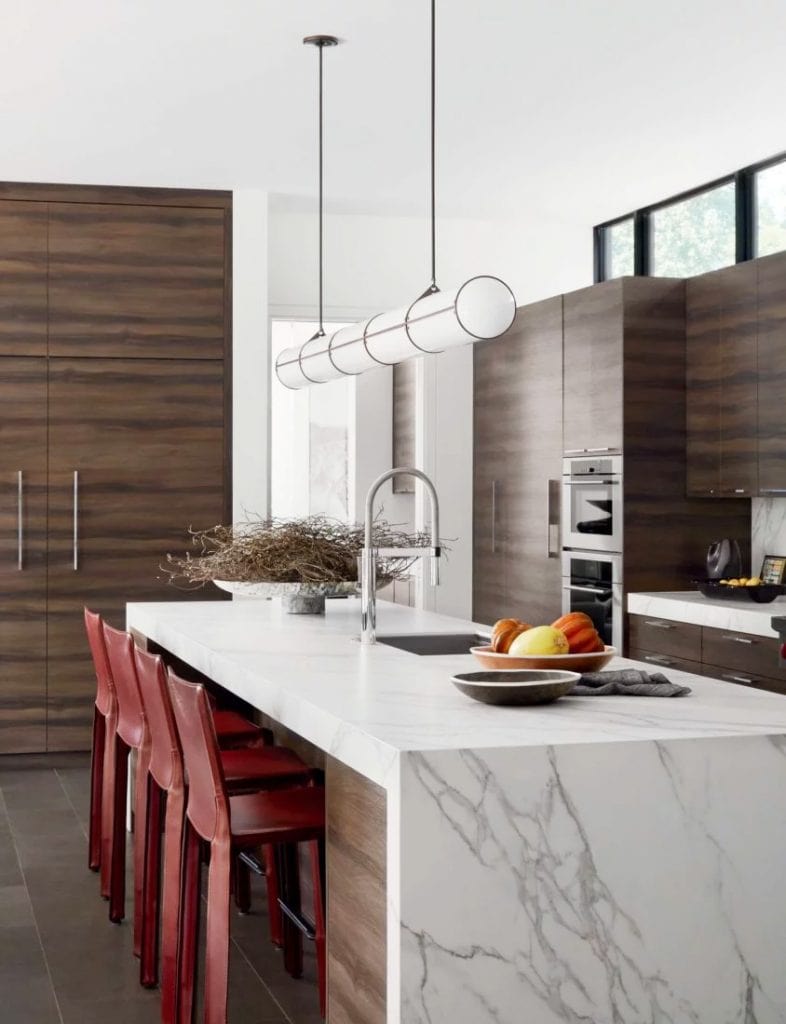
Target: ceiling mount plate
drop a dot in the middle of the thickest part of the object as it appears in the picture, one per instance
(321, 40)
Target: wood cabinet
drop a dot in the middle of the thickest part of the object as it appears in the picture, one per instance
(23, 278)
(725, 654)
(518, 466)
(592, 352)
(130, 470)
(117, 417)
(772, 374)
(722, 382)
(23, 564)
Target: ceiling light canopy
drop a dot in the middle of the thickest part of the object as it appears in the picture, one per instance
(481, 308)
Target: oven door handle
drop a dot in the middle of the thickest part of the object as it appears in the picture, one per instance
(590, 480)
(600, 591)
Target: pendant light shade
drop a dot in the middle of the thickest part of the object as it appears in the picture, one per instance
(483, 307)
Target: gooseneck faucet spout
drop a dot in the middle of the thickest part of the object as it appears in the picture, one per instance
(369, 555)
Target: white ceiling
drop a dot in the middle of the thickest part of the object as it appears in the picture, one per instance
(579, 108)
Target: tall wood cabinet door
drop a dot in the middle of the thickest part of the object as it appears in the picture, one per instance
(492, 476)
(739, 383)
(136, 458)
(592, 352)
(22, 555)
(23, 278)
(703, 385)
(137, 281)
(518, 466)
(772, 374)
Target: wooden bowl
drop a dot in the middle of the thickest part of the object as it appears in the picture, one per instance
(562, 662)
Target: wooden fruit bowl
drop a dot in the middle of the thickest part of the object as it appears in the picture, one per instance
(563, 662)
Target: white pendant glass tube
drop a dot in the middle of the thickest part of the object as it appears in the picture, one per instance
(483, 307)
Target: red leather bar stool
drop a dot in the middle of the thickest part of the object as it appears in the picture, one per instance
(233, 730)
(248, 769)
(227, 825)
(103, 750)
(132, 734)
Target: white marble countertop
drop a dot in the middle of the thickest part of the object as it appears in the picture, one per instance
(744, 616)
(365, 705)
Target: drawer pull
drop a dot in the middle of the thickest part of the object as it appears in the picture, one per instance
(658, 625)
(658, 659)
(738, 679)
(739, 640)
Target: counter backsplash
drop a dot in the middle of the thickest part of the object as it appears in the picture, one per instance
(768, 529)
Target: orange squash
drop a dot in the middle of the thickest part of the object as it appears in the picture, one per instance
(505, 632)
(580, 633)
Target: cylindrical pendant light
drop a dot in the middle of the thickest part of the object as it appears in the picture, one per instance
(483, 307)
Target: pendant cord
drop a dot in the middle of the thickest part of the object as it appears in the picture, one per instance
(433, 287)
(321, 332)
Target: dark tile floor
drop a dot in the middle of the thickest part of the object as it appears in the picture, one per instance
(61, 961)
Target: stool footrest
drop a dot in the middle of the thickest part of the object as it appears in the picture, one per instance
(252, 862)
(301, 923)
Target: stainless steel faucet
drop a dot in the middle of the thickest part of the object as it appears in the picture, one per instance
(370, 554)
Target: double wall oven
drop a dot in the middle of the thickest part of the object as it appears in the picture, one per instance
(592, 540)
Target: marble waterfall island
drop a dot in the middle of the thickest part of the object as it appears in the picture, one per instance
(603, 860)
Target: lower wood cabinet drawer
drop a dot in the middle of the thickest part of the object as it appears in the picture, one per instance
(751, 655)
(745, 678)
(662, 636)
(665, 661)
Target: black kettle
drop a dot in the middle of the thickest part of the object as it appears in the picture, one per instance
(724, 560)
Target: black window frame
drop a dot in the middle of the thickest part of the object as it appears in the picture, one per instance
(744, 181)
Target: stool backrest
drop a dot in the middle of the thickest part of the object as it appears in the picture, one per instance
(131, 725)
(105, 688)
(166, 760)
(208, 804)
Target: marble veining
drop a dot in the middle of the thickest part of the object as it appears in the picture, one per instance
(622, 884)
(768, 529)
(744, 616)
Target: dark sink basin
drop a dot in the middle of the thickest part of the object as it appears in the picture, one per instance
(434, 643)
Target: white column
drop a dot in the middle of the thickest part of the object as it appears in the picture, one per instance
(251, 353)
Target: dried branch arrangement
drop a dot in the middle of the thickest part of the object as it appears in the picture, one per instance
(314, 550)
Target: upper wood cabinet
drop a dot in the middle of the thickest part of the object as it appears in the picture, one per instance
(137, 281)
(592, 349)
(722, 382)
(23, 304)
(772, 374)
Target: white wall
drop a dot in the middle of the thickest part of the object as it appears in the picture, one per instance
(250, 359)
(374, 263)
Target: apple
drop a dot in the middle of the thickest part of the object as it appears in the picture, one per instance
(540, 640)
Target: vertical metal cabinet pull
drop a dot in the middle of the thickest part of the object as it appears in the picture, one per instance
(552, 516)
(20, 521)
(493, 517)
(76, 520)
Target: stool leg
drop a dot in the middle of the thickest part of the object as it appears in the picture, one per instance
(151, 887)
(318, 876)
(141, 789)
(217, 934)
(289, 885)
(170, 912)
(108, 804)
(96, 789)
(271, 881)
(117, 881)
(189, 922)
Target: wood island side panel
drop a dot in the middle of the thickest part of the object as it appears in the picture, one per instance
(356, 897)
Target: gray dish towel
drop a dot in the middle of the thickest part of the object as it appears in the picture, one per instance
(627, 682)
